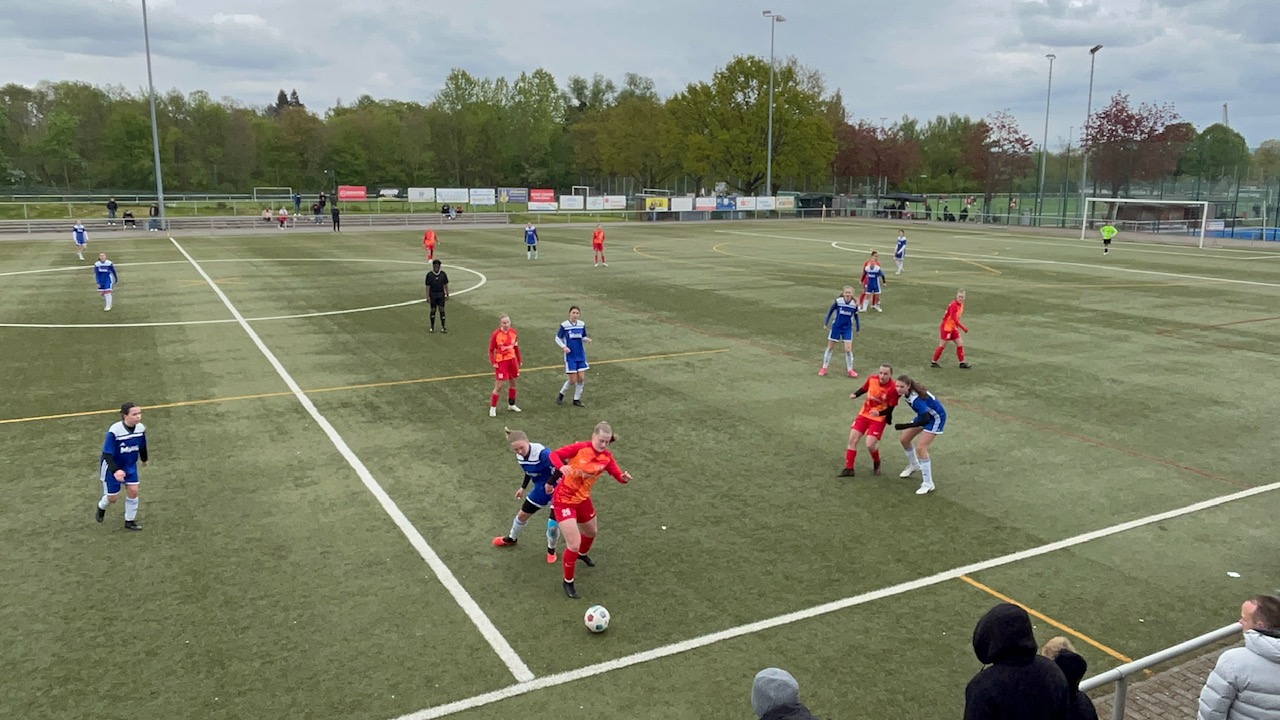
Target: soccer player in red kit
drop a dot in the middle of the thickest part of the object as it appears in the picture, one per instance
(597, 244)
(429, 241)
(504, 355)
(877, 411)
(950, 331)
(581, 465)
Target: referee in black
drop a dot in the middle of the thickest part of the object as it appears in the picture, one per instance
(437, 294)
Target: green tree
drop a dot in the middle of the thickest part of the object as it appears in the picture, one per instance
(1266, 160)
(1215, 153)
(942, 143)
(534, 116)
(629, 139)
(58, 147)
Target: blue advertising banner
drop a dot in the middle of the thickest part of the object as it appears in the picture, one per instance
(513, 195)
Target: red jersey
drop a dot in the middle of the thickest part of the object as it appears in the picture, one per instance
(504, 345)
(585, 468)
(951, 320)
(880, 397)
(597, 237)
(429, 239)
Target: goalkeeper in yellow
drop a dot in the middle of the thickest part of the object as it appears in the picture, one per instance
(1109, 231)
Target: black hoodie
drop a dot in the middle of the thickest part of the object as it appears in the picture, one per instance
(1019, 684)
(1079, 706)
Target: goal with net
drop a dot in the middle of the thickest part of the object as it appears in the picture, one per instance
(271, 192)
(1170, 217)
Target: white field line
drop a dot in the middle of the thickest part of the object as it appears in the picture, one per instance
(482, 622)
(1004, 258)
(684, 646)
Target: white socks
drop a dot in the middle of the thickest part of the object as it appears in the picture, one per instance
(577, 391)
(826, 358)
(848, 361)
(911, 458)
(130, 509)
(926, 472)
(103, 503)
(565, 387)
(516, 526)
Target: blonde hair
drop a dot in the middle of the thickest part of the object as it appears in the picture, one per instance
(1055, 646)
(604, 428)
(515, 435)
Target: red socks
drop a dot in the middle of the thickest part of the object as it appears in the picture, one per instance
(584, 545)
(875, 456)
(849, 457)
(937, 354)
(570, 562)
(960, 352)
(511, 396)
(493, 400)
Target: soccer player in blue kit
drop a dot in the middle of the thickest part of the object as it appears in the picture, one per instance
(535, 461)
(845, 310)
(81, 236)
(572, 338)
(104, 272)
(123, 450)
(530, 242)
(900, 251)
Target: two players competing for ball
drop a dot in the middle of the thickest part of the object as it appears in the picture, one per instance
(884, 393)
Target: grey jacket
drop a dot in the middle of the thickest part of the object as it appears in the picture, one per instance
(1245, 684)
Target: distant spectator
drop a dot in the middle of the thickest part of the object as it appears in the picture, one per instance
(266, 215)
(153, 225)
(111, 211)
(129, 220)
(283, 216)
(1079, 706)
(1055, 646)
(1245, 684)
(317, 210)
(775, 695)
(444, 212)
(456, 212)
(337, 220)
(1019, 684)
(297, 203)
(324, 200)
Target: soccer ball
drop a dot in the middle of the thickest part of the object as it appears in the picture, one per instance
(596, 619)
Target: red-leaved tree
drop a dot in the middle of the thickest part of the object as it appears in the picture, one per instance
(997, 152)
(866, 150)
(1127, 143)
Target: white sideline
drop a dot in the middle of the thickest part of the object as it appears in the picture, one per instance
(569, 676)
(482, 622)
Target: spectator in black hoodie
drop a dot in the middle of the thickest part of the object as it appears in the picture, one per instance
(1019, 684)
(1079, 706)
(775, 695)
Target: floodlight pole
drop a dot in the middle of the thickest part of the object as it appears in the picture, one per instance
(1044, 147)
(1088, 119)
(768, 168)
(155, 132)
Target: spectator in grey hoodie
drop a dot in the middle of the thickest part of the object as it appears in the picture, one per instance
(775, 695)
(1245, 684)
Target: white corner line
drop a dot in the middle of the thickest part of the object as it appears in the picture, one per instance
(482, 622)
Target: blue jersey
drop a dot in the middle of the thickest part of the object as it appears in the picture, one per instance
(571, 335)
(80, 234)
(104, 271)
(538, 470)
(123, 448)
(900, 251)
(846, 315)
(530, 235)
(875, 276)
(929, 411)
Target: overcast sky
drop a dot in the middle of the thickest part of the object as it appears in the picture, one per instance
(915, 57)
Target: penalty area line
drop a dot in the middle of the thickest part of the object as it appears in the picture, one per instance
(684, 646)
(518, 668)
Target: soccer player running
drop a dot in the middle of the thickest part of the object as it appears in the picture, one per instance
(530, 242)
(597, 245)
(846, 323)
(437, 294)
(123, 450)
(928, 424)
(872, 279)
(900, 251)
(81, 236)
(581, 465)
(572, 338)
(429, 241)
(535, 460)
(1109, 232)
(504, 355)
(104, 272)
(950, 331)
(877, 411)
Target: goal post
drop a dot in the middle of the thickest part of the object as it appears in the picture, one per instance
(272, 192)
(1149, 216)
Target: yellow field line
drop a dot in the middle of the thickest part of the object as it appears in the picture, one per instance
(1045, 618)
(984, 267)
(361, 386)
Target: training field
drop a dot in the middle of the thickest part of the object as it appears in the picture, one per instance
(325, 479)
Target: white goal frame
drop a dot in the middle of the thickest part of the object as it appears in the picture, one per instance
(1085, 218)
(260, 192)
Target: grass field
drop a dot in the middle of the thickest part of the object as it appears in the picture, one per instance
(274, 578)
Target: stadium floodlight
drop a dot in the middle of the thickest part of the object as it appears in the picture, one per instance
(1088, 117)
(774, 19)
(1044, 146)
(155, 132)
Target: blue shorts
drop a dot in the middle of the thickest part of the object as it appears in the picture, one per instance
(110, 485)
(104, 286)
(841, 334)
(573, 365)
(899, 257)
(81, 242)
(873, 286)
(936, 426)
(538, 494)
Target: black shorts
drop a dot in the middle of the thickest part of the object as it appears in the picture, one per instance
(437, 301)
(1106, 241)
(529, 507)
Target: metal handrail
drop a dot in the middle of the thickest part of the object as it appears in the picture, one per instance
(1120, 675)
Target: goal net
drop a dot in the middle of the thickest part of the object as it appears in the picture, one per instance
(1167, 217)
(271, 192)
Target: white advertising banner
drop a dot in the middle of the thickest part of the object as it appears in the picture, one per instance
(615, 202)
(746, 203)
(482, 196)
(572, 202)
(764, 203)
(595, 202)
(422, 194)
(452, 195)
(704, 203)
(784, 202)
(681, 204)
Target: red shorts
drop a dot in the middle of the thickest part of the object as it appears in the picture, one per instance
(598, 247)
(583, 512)
(869, 427)
(507, 370)
(950, 335)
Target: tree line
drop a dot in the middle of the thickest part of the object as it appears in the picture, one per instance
(531, 131)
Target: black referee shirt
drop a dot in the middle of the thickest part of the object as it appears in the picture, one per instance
(437, 282)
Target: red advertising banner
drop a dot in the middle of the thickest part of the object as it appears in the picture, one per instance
(353, 192)
(542, 199)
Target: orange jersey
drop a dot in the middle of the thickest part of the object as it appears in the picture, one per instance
(503, 345)
(429, 239)
(880, 397)
(951, 320)
(597, 237)
(585, 468)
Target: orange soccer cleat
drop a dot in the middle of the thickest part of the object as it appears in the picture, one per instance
(504, 542)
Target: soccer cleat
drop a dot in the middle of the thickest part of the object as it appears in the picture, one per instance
(560, 399)
(513, 408)
(551, 556)
(876, 308)
(910, 469)
(925, 489)
(100, 515)
(493, 411)
(846, 472)
(605, 264)
(432, 330)
(578, 403)
(934, 365)
(504, 541)
(965, 366)
(597, 265)
(822, 372)
(853, 373)
(444, 330)
(876, 470)
(586, 560)
(131, 525)
(570, 590)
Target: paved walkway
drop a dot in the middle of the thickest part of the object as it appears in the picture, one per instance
(1173, 694)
